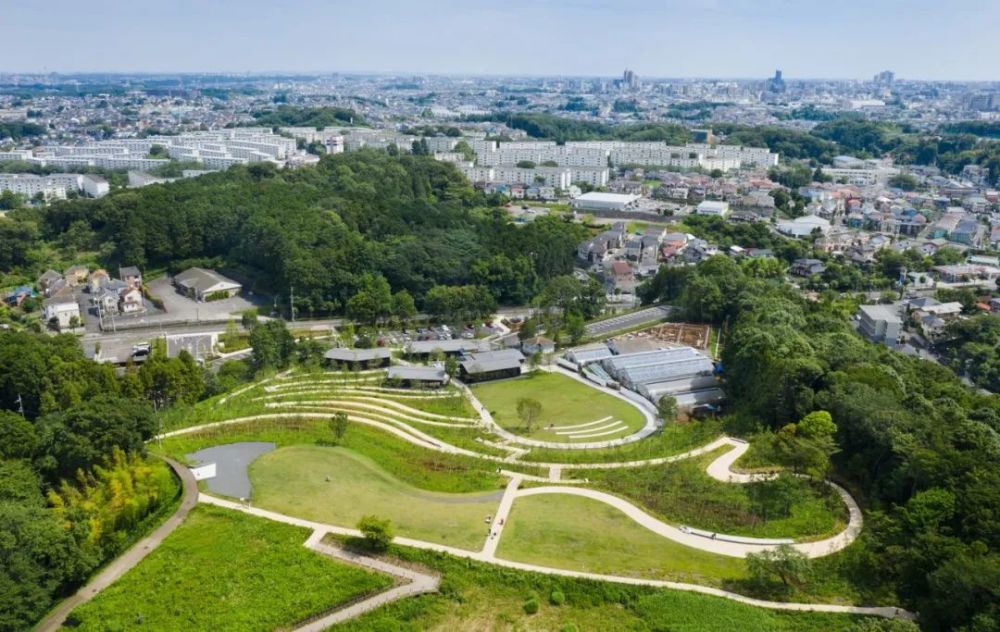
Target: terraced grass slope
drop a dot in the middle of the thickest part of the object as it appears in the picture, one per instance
(572, 412)
(224, 570)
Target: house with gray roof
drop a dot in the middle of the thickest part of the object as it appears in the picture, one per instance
(201, 284)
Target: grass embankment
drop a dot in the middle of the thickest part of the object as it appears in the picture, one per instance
(476, 596)
(223, 570)
(565, 402)
(683, 493)
(671, 440)
(337, 486)
(587, 535)
(420, 467)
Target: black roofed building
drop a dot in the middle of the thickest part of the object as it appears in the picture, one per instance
(491, 365)
(359, 358)
(428, 376)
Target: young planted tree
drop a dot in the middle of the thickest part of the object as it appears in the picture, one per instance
(377, 532)
(528, 410)
(666, 408)
(339, 424)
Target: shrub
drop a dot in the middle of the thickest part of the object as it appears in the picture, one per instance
(530, 606)
(557, 598)
(569, 627)
(377, 532)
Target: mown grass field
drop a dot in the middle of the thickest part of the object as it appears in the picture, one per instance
(683, 493)
(223, 570)
(337, 486)
(485, 598)
(565, 402)
(672, 439)
(586, 535)
(420, 467)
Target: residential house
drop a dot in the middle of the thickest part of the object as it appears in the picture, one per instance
(49, 281)
(130, 300)
(98, 279)
(807, 267)
(62, 312)
(202, 284)
(880, 323)
(131, 276)
(75, 275)
(537, 344)
(16, 296)
(621, 276)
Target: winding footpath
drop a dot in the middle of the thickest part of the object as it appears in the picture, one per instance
(130, 558)
(410, 584)
(719, 469)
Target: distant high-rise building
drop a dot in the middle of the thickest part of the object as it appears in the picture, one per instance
(629, 80)
(884, 78)
(776, 83)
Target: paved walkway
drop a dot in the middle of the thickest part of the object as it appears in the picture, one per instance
(883, 611)
(500, 519)
(720, 545)
(127, 560)
(412, 583)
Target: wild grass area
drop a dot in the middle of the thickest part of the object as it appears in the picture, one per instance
(224, 570)
(565, 402)
(337, 486)
(481, 597)
(683, 493)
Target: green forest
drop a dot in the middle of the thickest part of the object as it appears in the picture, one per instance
(410, 219)
(915, 444)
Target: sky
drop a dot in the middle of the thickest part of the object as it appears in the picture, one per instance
(852, 39)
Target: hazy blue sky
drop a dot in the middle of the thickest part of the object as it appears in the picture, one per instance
(938, 39)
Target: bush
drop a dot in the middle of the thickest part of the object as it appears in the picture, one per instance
(530, 606)
(557, 598)
(569, 627)
(377, 532)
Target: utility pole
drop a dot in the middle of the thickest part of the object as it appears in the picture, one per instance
(20, 405)
(291, 301)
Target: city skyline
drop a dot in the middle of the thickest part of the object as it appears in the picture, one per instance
(734, 39)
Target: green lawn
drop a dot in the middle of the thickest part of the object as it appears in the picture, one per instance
(476, 596)
(294, 481)
(586, 535)
(223, 570)
(682, 493)
(565, 402)
(420, 467)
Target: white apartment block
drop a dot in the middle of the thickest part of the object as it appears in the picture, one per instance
(216, 149)
(53, 186)
(16, 154)
(554, 177)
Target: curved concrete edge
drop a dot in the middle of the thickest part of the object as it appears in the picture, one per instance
(349, 403)
(131, 557)
(390, 404)
(883, 611)
(719, 469)
(487, 419)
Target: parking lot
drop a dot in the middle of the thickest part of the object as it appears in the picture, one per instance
(646, 316)
(180, 307)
